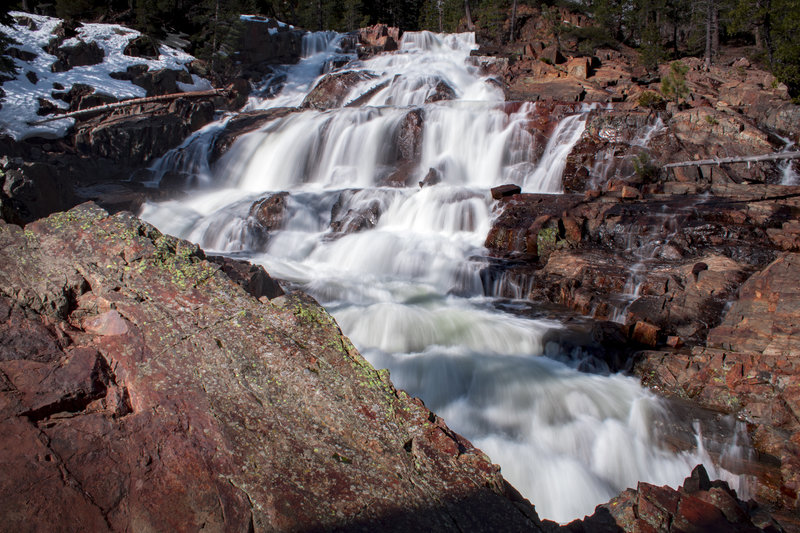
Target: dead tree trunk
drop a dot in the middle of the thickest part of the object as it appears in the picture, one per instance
(135, 101)
(742, 159)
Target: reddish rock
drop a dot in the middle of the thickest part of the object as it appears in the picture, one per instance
(645, 333)
(629, 193)
(763, 318)
(674, 341)
(502, 191)
(109, 323)
(689, 508)
(380, 36)
(578, 67)
(142, 388)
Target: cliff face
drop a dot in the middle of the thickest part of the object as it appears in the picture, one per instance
(142, 388)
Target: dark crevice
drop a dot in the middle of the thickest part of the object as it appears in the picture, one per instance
(69, 404)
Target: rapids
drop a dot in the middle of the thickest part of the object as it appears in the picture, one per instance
(407, 287)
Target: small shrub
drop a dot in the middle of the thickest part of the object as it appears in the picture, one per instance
(644, 168)
(673, 85)
(652, 100)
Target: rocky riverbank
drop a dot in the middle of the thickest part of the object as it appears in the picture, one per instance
(133, 367)
(691, 270)
(143, 387)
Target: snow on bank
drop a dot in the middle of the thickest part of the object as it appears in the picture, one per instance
(20, 103)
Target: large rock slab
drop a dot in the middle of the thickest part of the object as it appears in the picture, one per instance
(766, 316)
(141, 388)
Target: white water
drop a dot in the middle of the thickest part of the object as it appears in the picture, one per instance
(407, 289)
(789, 175)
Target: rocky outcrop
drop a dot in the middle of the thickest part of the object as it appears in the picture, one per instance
(699, 505)
(154, 82)
(142, 46)
(142, 388)
(332, 90)
(79, 55)
(355, 212)
(32, 190)
(142, 133)
(687, 255)
(708, 285)
(376, 39)
(747, 368)
(266, 42)
(270, 212)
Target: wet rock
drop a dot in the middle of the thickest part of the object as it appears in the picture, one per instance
(352, 212)
(502, 191)
(333, 89)
(81, 54)
(261, 406)
(270, 212)
(244, 123)
(432, 178)
(141, 133)
(409, 136)
(263, 43)
(441, 91)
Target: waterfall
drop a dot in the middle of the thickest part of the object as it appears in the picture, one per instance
(398, 265)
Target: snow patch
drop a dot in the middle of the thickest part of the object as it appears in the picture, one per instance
(22, 96)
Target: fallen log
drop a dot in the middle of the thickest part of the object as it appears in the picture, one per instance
(741, 159)
(134, 101)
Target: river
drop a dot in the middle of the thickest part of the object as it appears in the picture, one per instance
(399, 265)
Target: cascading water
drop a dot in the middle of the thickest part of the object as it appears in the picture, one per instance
(399, 265)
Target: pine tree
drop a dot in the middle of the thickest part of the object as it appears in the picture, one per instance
(7, 64)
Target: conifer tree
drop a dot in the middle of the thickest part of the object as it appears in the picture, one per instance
(6, 63)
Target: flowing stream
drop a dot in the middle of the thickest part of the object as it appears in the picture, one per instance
(398, 265)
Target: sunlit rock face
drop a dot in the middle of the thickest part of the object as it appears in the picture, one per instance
(144, 386)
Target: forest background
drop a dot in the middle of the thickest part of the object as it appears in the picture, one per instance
(661, 30)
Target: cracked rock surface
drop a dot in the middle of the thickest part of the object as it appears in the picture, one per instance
(143, 389)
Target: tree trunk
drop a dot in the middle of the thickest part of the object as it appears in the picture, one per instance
(715, 33)
(440, 7)
(470, 25)
(768, 33)
(513, 21)
(134, 101)
(708, 52)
